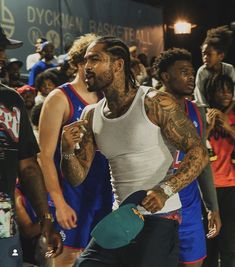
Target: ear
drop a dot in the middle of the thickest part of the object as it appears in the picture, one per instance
(118, 65)
(165, 77)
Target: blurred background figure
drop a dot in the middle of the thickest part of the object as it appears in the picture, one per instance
(28, 93)
(48, 60)
(214, 50)
(35, 116)
(44, 84)
(219, 91)
(65, 72)
(30, 231)
(61, 58)
(35, 57)
(3, 70)
(13, 67)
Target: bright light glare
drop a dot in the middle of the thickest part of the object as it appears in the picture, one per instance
(182, 27)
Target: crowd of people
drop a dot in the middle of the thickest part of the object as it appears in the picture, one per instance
(100, 122)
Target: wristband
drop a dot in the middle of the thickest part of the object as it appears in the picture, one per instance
(47, 216)
(68, 155)
(167, 189)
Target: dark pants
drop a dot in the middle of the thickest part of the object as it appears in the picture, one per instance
(224, 244)
(156, 245)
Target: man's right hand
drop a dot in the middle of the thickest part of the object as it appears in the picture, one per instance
(66, 216)
(72, 134)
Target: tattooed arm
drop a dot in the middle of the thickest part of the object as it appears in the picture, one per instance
(163, 111)
(76, 162)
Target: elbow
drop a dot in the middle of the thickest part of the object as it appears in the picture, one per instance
(75, 179)
(75, 183)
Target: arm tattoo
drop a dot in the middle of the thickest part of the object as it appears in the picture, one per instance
(76, 168)
(178, 130)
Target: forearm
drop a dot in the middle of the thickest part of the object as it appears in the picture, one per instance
(32, 182)
(51, 179)
(191, 166)
(76, 164)
(206, 184)
(75, 172)
(31, 230)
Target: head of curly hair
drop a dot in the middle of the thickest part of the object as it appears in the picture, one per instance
(167, 58)
(215, 83)
(219, 38)
(77, 51)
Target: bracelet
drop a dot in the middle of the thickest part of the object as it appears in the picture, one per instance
(47, 216)
(68, 155)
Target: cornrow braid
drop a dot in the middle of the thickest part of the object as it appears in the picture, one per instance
(118, 49)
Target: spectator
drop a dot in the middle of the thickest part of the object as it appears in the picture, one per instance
(13, 69)
(18, 151)
(47, 61)
(45, 83)
(28, 93)
(34, 58)
(221, 132)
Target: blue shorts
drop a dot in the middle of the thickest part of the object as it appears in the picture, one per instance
(79, 237)
(192, 245)
(92, 200)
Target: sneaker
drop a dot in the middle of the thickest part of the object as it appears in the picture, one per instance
(212, 154)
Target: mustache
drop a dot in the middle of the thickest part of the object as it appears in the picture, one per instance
(89, 73)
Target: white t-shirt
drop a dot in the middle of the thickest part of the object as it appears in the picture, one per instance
(202, 75)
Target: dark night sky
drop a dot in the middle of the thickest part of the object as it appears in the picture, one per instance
(204, 13)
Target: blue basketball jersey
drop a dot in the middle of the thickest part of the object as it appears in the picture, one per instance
(190, 195)
(191, 231)
(92, 200)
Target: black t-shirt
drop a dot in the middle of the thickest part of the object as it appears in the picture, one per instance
(17, 140)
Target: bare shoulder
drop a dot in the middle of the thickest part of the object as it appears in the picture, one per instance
(57, 97)
(56, 105)
(159, 103)
(88, 113)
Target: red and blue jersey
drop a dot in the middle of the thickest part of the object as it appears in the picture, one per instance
(190, 195)
(92, 200)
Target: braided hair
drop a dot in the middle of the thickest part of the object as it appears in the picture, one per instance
(215, 83)
(118, 49)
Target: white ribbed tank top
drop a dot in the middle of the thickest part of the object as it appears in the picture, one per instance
(138, 157)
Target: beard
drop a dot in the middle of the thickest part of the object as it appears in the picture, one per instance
(101, 82)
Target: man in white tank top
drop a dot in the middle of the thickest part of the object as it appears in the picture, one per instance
(128, 127)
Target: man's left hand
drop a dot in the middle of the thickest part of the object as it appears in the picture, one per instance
(52, 239)
(155, 200)
(214, 224)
